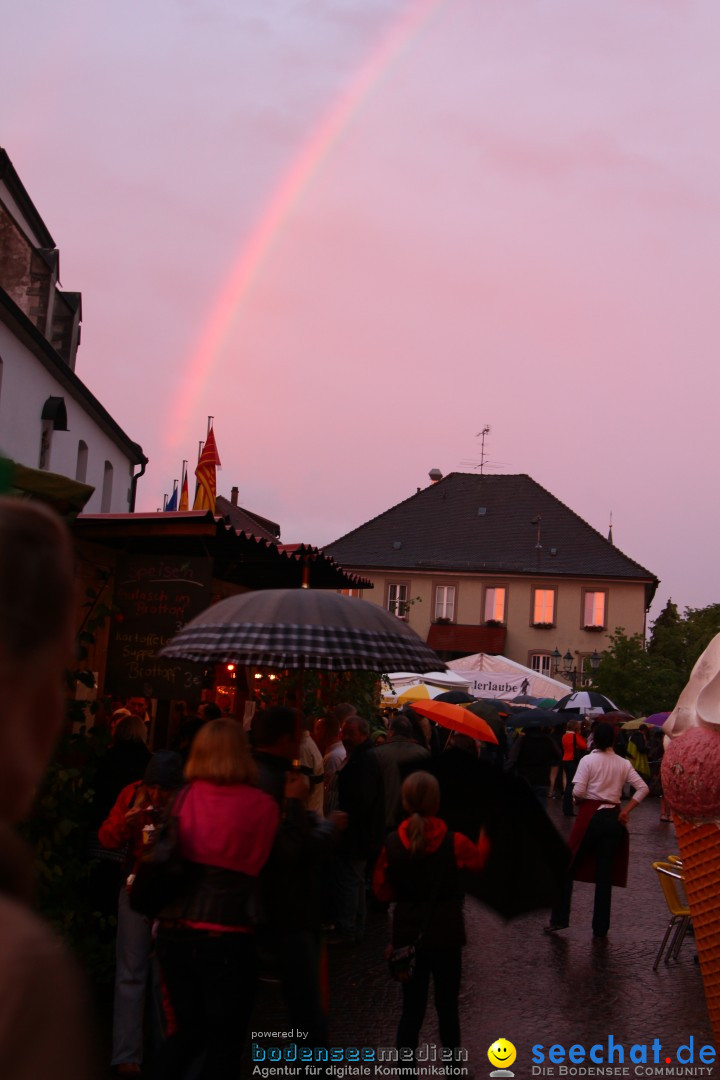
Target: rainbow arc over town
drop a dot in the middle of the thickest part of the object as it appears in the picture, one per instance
(286, 195)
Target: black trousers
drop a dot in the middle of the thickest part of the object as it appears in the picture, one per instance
(211, 981)
(445, 967)
(603, 836)
(568, 768)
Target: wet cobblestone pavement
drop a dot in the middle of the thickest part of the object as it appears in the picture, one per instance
(531, 988)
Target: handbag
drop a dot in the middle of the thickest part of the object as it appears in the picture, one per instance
(402, 962)
(163, 874)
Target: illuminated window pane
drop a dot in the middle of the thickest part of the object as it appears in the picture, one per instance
(495, 605)
(544, 606)
(594, 609)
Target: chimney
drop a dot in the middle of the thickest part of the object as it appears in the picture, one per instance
(435, 475)
(234, 496)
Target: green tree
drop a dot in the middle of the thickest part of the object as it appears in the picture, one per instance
(625, 672)
(649, 679)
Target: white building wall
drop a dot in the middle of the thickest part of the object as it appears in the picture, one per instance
(25, 385)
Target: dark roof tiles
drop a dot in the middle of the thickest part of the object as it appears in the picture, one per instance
(485, 524)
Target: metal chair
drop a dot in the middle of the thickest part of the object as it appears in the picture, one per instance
(671, 880)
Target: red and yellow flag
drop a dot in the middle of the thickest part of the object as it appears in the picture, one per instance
(205, 473)
(184, 496)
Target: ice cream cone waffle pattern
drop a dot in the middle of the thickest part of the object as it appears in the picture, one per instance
(691, 785)
(700, 852)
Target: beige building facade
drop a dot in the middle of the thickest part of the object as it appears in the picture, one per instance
(499, 565)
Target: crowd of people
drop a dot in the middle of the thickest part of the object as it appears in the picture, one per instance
(285, 829)
(295, 824)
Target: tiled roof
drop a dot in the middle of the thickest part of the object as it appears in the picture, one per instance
(485, 524)
(247, 521)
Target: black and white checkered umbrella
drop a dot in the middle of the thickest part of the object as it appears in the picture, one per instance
(302, 628)
(585, 701)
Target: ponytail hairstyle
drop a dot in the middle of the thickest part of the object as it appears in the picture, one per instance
(421, 799)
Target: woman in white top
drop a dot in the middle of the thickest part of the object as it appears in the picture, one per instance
(599, 840)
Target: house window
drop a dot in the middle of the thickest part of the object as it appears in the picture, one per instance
(541, 662)
(82, 462)
(445, 602)
(586, 671)
(398, 600)
(495, 605)
(52, 418)
(106, 499)
(351, 592)
(543, 607)
(594, 609)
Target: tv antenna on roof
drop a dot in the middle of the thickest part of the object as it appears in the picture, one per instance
(484, 463)
(481, 435)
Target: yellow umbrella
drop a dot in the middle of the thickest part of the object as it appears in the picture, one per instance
(420, 692)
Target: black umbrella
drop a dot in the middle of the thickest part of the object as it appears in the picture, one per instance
(528, 858)
(455, 697)
(302, 628)
(488, 712)
(526, 718)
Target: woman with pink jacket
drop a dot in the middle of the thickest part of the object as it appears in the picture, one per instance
(205, 944)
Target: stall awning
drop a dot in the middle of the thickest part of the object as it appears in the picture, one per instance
(66, 496)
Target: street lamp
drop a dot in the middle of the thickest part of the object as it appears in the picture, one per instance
(573, 675)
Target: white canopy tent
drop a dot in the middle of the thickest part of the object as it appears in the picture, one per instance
(498, 677)
(440, 681)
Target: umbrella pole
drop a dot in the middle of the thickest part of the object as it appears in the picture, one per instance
(300, 686)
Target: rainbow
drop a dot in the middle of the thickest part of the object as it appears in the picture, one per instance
(280, 204)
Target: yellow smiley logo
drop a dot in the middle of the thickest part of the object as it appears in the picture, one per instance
(502, 1053)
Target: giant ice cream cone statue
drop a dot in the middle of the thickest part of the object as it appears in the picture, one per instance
(691, 783)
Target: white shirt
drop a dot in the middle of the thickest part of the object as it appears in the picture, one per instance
(312, 759)
(602, 774)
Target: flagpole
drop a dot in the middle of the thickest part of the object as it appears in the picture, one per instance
(197, 484)
(184, 498)
(210, 423)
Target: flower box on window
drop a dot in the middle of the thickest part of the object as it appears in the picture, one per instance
(442, 620)
(543, 625)
(595, 629)
(494, 622)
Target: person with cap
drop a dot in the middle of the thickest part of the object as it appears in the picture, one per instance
(132, 823)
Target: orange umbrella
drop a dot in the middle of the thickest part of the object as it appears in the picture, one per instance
(456, 718)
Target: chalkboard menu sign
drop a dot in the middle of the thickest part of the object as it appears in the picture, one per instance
(155, 597)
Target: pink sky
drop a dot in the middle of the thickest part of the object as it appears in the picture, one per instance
(422, 218)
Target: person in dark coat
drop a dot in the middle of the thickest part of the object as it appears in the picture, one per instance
(419, 868)
(533, 755)
(290, 935)
(361, 798)
(398, 757)
(124, 763)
